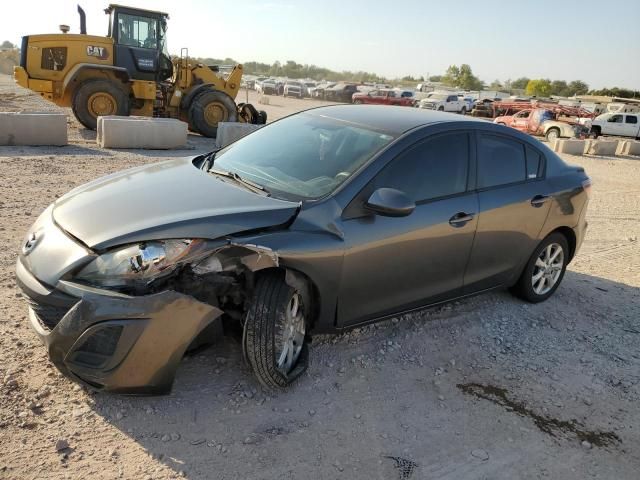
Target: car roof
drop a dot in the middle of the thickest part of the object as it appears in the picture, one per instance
(385, 118)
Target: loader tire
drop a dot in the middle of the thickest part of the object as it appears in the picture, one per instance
(208, 109)
(98, 98)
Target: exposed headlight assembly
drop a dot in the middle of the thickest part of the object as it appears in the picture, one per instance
(137, 265)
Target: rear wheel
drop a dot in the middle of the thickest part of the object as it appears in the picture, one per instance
(552, 134)
(544, 271)
(210, 108)
(98, 98)
(463, 111)
(275, 332)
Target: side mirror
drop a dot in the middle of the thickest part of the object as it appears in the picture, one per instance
(390, 202)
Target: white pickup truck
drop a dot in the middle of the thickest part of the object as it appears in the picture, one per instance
(444, 102)
(619, 124)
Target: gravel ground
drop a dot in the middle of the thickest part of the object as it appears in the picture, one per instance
(485, 388)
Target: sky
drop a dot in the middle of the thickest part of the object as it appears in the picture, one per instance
(590, 40)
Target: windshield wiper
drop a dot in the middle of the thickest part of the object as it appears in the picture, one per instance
(247, 183)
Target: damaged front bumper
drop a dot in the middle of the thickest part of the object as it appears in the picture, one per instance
(114, 342)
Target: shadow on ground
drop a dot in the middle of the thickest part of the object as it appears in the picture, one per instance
(382, 399)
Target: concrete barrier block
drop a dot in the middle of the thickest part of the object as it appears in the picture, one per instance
(628, 147)
(141, 132)
(33, 128)
(601, 147)
(570, 146)
(229, 132)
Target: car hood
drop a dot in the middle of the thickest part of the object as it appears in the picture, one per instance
(169, 199)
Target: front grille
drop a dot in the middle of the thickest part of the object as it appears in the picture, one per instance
(54, 58)
(48, 315)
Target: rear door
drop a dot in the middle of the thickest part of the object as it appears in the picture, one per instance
(514, 202)
(631, 125)
(392, 263)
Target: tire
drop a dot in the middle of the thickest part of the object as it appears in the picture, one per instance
(263, 329)
(96, 98)
(441, 109)
(525, 288)
(552, 135)
(208, 109)
(357, 102)
(263, 117)
(463, 111)
(595, 132)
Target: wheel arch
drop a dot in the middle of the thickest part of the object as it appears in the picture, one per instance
(300, 281)
(83, 72)
(570, 235)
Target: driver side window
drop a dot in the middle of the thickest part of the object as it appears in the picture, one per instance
(437, 167)
(137, 31)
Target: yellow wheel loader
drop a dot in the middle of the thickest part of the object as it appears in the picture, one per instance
(130, 72)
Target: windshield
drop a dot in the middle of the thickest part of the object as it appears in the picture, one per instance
(301, 157)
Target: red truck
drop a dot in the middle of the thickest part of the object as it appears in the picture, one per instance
(384, 97)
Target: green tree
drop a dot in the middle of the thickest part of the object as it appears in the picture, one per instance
(520, 83)
(577, 87)
(7, 45)
(539, 88)
(435, 78)
(560, 88)
(462, 77)
(495, 85)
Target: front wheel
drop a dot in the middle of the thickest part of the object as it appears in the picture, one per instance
(441, 109)
(210, 108)
(275, 332)
(357, 102)
(463, 111)
(544, 271)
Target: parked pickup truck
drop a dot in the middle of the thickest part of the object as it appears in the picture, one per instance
(382, 97)
(543, 122)
(444, 103)
(620, 124)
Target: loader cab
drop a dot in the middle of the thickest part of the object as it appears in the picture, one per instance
(140, 42)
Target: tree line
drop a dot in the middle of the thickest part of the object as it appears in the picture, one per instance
(461, 77)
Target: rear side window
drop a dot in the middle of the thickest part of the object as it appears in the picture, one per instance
(435, 168)
(500, 161)
(534, 163)
(631, 119)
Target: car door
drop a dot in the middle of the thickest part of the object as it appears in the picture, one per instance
(396, 263)
(520, 121)
(451, 105)
(614, 125)
(630, 125)
(514, 201)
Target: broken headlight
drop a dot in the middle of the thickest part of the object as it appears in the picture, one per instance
(139, 264)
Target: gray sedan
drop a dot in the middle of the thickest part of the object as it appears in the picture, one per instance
(322, 221)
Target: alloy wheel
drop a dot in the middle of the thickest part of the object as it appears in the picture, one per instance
(292, 334)
(547, 269)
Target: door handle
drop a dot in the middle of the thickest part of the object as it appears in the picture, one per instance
(539, 200)
(460, 219)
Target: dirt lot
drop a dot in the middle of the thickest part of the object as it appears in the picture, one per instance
(486, 388)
